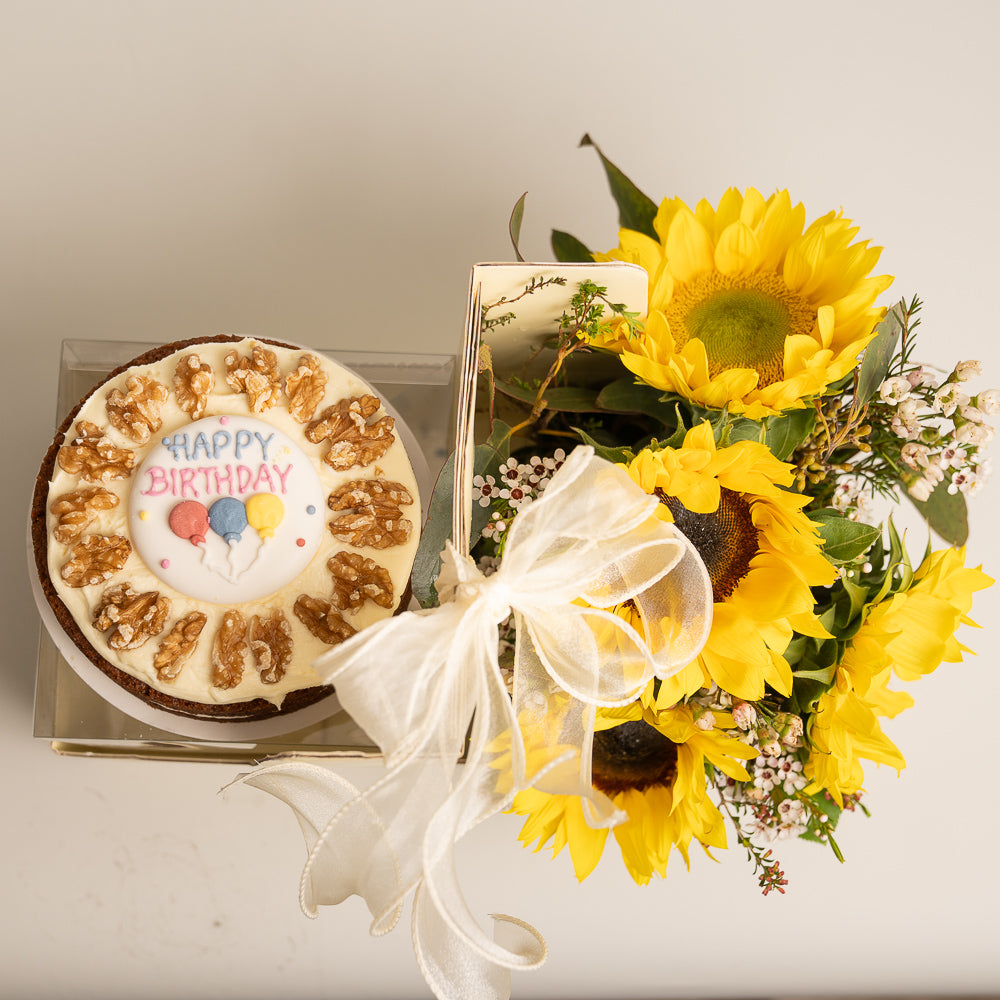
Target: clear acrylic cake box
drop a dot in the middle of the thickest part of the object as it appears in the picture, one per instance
(78, 721)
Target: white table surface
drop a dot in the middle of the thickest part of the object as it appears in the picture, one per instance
(328, 172)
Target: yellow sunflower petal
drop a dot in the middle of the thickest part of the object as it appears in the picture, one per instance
(689, 247)
(737, 250)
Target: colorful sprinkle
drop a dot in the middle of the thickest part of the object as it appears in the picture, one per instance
(223, 420)
(143, 515)
(310, 509)
(300, 542)
(165, 563)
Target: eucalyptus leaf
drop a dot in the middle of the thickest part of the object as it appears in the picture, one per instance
(514, 226)
(569, 250)
(635, 210)
(946, 513)
(844, 539)
(878, 355)
(566, 399)
(437, 528)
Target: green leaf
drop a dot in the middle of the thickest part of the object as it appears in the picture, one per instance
(826, 807)
(878, 355)
(676, 440)
(635, 210)
(514, 226)
(946, 513)
(857, 598)
(569, 250)
(437, 529)
(845, 540)
(617, 455)
(566, 399)
(785, 433)
(625, 395)
(824, 676)
(728, 430)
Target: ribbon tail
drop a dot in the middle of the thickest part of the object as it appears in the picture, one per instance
(333, 872)
(456, 971)
(459, 959)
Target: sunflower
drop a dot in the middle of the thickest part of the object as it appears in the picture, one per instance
(762, 554)
(747, 309)
(908, 634)
(652, 765)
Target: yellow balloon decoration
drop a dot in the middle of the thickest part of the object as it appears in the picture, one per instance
(264, 512)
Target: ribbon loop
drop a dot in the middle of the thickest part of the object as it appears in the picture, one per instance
(423, 682)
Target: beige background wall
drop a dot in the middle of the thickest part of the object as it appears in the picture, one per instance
(327, 172)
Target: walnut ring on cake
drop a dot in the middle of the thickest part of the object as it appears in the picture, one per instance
(216, 515)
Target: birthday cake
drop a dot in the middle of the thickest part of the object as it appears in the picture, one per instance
(218, 514)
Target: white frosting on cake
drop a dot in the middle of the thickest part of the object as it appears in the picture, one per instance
(275, 484)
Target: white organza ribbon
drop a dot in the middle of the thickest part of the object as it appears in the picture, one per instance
(426, 684)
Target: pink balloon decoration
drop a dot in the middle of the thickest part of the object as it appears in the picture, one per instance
(189, 519)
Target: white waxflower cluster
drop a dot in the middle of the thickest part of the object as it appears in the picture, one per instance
(768, 807)
(934, 451)
(516, 485)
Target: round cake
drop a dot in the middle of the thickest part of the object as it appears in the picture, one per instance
(216, 515)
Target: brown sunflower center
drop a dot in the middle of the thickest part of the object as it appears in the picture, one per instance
(743, 321)
(632, 755)
(726, 539)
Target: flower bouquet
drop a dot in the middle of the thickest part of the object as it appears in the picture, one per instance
(658, 599)
(769, 402)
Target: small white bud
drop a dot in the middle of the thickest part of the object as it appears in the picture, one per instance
(965, 370)
(744, 714)
(989, 401)
(705, 721)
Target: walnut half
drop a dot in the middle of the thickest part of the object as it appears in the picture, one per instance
(193, 381)
(257, 376)
(77, 510)
(353, 441)
(95, 559)
(178, 644)
(94, 457)
(305, 388)
(322, 621)
(372, 519)
(271, 645)
(133, 618)
(136, 412)
(228, 650)
(356, 580)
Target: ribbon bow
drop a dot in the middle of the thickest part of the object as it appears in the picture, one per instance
(425, 684)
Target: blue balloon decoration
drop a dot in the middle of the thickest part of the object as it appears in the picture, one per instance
(228, 518)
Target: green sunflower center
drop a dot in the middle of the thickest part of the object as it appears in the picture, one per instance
(743, 322)
(726, 538)
(632, 755)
